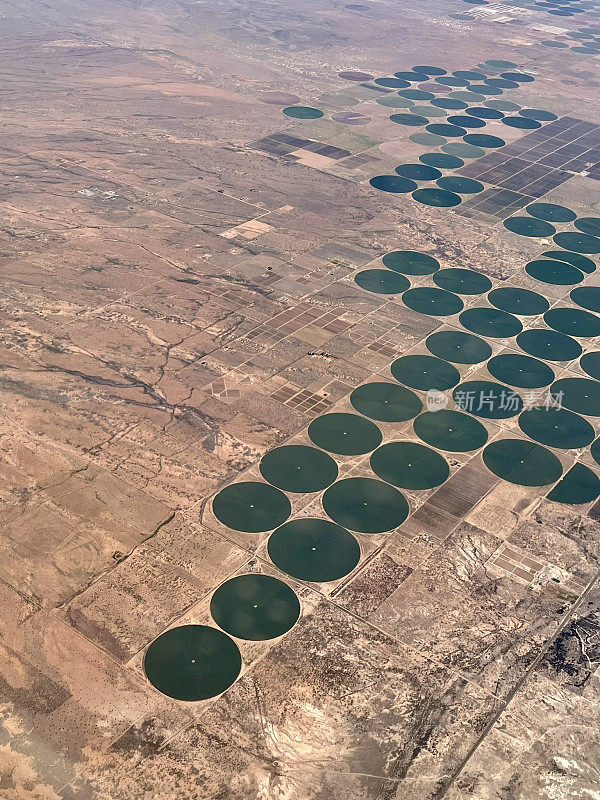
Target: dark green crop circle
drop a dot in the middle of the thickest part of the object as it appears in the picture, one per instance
(556, 427)
(519, 301)
(590, 363)
(251, 506)
(556, 273)
(386, 402)
(409, 465)
(578, 394)
(587, 297)
(192, 662)
(522, 462)
(365, 505)
(549, 345)
(522, 371)
(298, 468)
(491, 322)
(344, 434)
(312, 549)
(573, 321)
(459, 347)
(428, 300)
(462, 281)
(410, 262)
(450, 430)
(425, 372)
(382, 281)
(255, 607)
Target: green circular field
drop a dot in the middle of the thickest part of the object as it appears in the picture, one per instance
(409, 262)
(579, 485)
(386, 402)
(578, 242)
(587, 297)
(450, 430)
(425, 373)
(418, 172)
(344, 434)
(441, 160)
(573, 321)
(491, 322)
(583, 263)
(255, 607)
(481, 112)
(578, 394)
(393, 183)
(551, 212)
(382, 281)
(466, 121)
(192, 662)
(412, 120)
(462, 281)
(429, 300)
(302, 112)
(556, 427)
(522, 371)
(459, 347)
(549, 345)
(529, 226)
(313, 550)
(450, 103)
(589, 225)
(487, 399)
(522, 462)
(521, 123)
(409, 465)
(556, 273)
(251, 506)
(518, 301)
(444, 129)
(440, 198)
(590, 363)
(455, 183)
(365, 505)
(484, 140)
(538, 113)
(298, 468)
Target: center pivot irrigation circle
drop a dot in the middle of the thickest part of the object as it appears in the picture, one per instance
(314, 550)
(365, 505)
(450, 430)
(409, 465)
(192, 662)
(522, 462)
(459, 347)
(556, 427)
(344, 434)
(522, 371)
(386, 402)
(425, 372)
(251, 506)
(549, 345)
(255, 607)
(491, 322)
(410, 262)
(298, 468)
